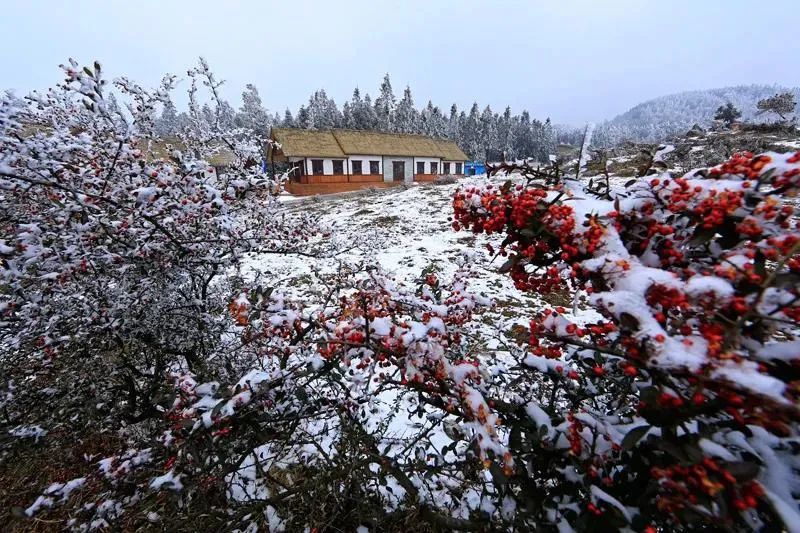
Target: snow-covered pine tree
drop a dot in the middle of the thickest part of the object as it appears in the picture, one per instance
(471, 133)
(347, 116)
(488, 134)
(252, 114)
(385, 106)
(406, 115)
(288, 120)
(303, 119)
(167, 123)
(438, 124)
(365, 116)
(453, 130)
(523, 147)
(505, 135)
(226, 116)
(323, 112)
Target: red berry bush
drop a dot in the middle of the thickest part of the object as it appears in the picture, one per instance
(665, 398)
(678, 405)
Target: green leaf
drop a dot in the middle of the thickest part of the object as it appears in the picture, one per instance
(633, 436)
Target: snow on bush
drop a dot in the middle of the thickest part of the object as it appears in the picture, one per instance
(682, 403)
(126, 308)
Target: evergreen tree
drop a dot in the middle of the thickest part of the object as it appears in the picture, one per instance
(406, 115)
(252, 114)
(288, 120)
(488, 135)
(323, 112)
(226, 117)
(432, 122)
(167, 123)
(385, 106)
(364, 115)
(347, 116)
(523, 146)
(303, 120)
(505, 136)
(208, 116)
(438, 124)
(453, 130)
(471, 134)
(727, 113)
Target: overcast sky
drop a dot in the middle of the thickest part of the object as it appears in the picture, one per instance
(574, 61)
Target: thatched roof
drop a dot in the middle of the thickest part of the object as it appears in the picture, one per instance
(341, 143)
(450, 150)
(221, 157)
(303, 143)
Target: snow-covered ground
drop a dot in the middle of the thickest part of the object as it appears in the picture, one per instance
(402, 230)
(405, 231)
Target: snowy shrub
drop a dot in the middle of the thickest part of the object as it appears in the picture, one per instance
(444, 180)
(243, 401)
(677, 406)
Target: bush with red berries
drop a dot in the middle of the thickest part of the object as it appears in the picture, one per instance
(678, 406)
(665, 397)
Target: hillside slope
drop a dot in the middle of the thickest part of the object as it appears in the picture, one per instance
(659, 118)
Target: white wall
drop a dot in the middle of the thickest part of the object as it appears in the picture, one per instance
(384, 165)
(452, 168)
(327, 165)
(365, 159)
(388, 168)
(427, 161)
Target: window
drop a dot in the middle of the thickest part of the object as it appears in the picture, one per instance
(420, 167)
(434, 167)
(316, 167)
(446, 168)
(458, 168)
(338, 166)
(374, 167)
(356, 165)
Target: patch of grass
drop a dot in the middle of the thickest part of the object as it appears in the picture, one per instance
(28, 468)
(362, 212)
(559, 298)
(386, 220)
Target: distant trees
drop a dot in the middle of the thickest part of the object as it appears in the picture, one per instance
(782, 104)
(728, 114)
(483, 135)
(660, 118)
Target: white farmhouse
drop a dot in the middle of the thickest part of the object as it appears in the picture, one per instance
(327, 161)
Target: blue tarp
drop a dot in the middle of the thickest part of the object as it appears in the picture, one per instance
(474, 167)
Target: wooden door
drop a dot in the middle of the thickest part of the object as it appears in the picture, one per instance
(398, 170)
